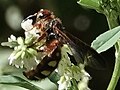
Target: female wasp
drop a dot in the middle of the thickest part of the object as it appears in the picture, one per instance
(49, 28)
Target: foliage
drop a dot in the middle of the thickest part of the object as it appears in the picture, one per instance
(111, 9)
(17, 81)
(106, 40)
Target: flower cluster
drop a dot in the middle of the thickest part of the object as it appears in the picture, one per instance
(23, 56)
(72, 76)
(26, 56)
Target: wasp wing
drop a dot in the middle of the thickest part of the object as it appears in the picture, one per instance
(83, 53)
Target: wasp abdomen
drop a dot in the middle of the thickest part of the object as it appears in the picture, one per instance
(45, 67)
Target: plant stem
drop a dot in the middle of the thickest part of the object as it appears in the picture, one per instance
(116, 73)
(112, 23)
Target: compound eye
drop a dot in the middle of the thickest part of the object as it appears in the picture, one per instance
(31, 17)
(42, 14)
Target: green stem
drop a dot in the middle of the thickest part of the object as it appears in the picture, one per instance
(112, 22)
(74, 84)
(116, 73)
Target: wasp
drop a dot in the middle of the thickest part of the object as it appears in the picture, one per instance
(48, 27)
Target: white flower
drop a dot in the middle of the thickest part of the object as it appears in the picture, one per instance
(64, 83)
(70, 72)
(83, 84)
(12, 38)
(34, 31)
(27, 25)
(11, 58)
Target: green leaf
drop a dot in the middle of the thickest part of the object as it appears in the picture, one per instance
(18, 81)
(106, 40)
(93, 4)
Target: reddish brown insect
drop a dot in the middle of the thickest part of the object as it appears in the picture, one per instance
(48, 27)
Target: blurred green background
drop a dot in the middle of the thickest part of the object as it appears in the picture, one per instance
(83, 23)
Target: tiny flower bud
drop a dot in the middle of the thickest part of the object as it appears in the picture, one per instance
(20, 40)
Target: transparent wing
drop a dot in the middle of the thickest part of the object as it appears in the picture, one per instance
(83, 53)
